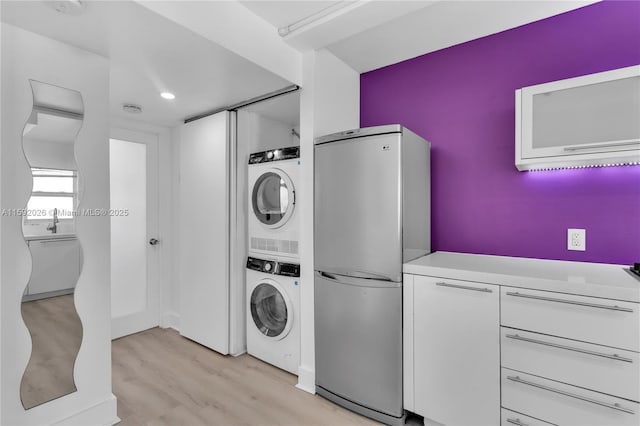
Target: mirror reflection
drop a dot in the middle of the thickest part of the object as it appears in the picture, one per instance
(48, 226)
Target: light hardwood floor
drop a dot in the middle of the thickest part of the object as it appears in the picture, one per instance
(161, 378)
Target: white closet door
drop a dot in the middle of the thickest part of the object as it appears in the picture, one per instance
(204, 231)
(135, 292)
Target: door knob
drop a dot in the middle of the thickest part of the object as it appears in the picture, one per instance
(153, 241)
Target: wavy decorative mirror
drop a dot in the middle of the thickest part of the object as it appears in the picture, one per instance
(48, 226)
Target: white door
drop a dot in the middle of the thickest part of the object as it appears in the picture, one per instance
(135, 292)
(205, 244)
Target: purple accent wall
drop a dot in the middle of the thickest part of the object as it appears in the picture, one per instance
(462, 100)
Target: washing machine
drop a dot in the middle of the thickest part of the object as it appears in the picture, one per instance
(273, 312)
(274, 222)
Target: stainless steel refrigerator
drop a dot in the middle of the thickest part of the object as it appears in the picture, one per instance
(372, 214)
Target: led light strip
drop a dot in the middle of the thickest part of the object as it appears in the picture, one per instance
(544, 169)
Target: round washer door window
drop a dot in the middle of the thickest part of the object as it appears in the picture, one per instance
(270, 310)
(273, 198)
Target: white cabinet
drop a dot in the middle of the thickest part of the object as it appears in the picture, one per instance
(581, 121)
(610, 370)
(565, 315)
(570, 359)
(456, 349)
(562, 404)
(56, 265)
(525, 342)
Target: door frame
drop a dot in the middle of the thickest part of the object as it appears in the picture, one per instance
(150, 317)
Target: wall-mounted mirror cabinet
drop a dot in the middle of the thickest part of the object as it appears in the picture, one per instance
(48, 225)
(592, 120)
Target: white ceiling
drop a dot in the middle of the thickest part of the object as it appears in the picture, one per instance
(392, 31)
(150, 54)
(439, 25)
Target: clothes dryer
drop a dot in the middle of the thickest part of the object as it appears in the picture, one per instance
(274, 223)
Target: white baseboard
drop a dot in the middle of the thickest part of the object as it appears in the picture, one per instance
(104, 413)
(306, 380)
(170, 319)
(125, 326)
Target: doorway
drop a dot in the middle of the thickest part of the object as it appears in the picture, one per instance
(135, 244)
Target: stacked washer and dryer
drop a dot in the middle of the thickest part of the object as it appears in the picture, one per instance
(273, 263)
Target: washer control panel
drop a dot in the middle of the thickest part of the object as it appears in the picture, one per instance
(275, 155)
(273, 267)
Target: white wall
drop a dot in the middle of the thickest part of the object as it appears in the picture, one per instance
(329, 102)
(29, 56)
(50, 155)
(259, 133)
(171, 304)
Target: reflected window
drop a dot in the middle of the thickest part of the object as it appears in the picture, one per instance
(52, 189)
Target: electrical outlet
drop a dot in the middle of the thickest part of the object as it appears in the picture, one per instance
(576, 239)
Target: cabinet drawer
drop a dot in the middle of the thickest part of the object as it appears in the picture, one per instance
(600, 368)
(511, 418)
(563, 404)
(590, 319)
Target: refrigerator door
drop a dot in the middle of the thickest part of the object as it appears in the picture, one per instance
(358, 227)
(358, 340)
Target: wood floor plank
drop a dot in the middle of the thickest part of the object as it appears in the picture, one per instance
(161, 378)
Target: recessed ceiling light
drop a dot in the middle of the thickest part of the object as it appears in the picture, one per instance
(132, 108)
(168, 95)
(68, 7)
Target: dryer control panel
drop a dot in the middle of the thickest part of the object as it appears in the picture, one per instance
(273, 267)
(275, 155)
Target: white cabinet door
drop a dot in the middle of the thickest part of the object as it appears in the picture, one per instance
(587, 120)
(56, 265)
(456, 351)
(204, 231)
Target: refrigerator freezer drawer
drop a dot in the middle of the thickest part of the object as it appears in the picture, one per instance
(358, 333)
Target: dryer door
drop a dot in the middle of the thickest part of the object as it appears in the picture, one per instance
(273, 198)
(271, 310)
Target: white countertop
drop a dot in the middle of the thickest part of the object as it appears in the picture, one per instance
(587, 279)
(49, 237)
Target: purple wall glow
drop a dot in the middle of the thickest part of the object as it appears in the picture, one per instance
(462, 100)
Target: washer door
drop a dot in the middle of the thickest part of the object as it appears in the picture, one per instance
(273, 198)
(271, 310)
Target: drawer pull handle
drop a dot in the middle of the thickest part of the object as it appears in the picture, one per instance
(516, 422)
(615, 406)
(569, 348)
(627, 142)
(465, 287)
(570, 302)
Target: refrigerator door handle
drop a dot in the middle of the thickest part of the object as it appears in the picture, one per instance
(357, 281)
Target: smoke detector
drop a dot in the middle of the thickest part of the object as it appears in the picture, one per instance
(68, 7)
(132, 108)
